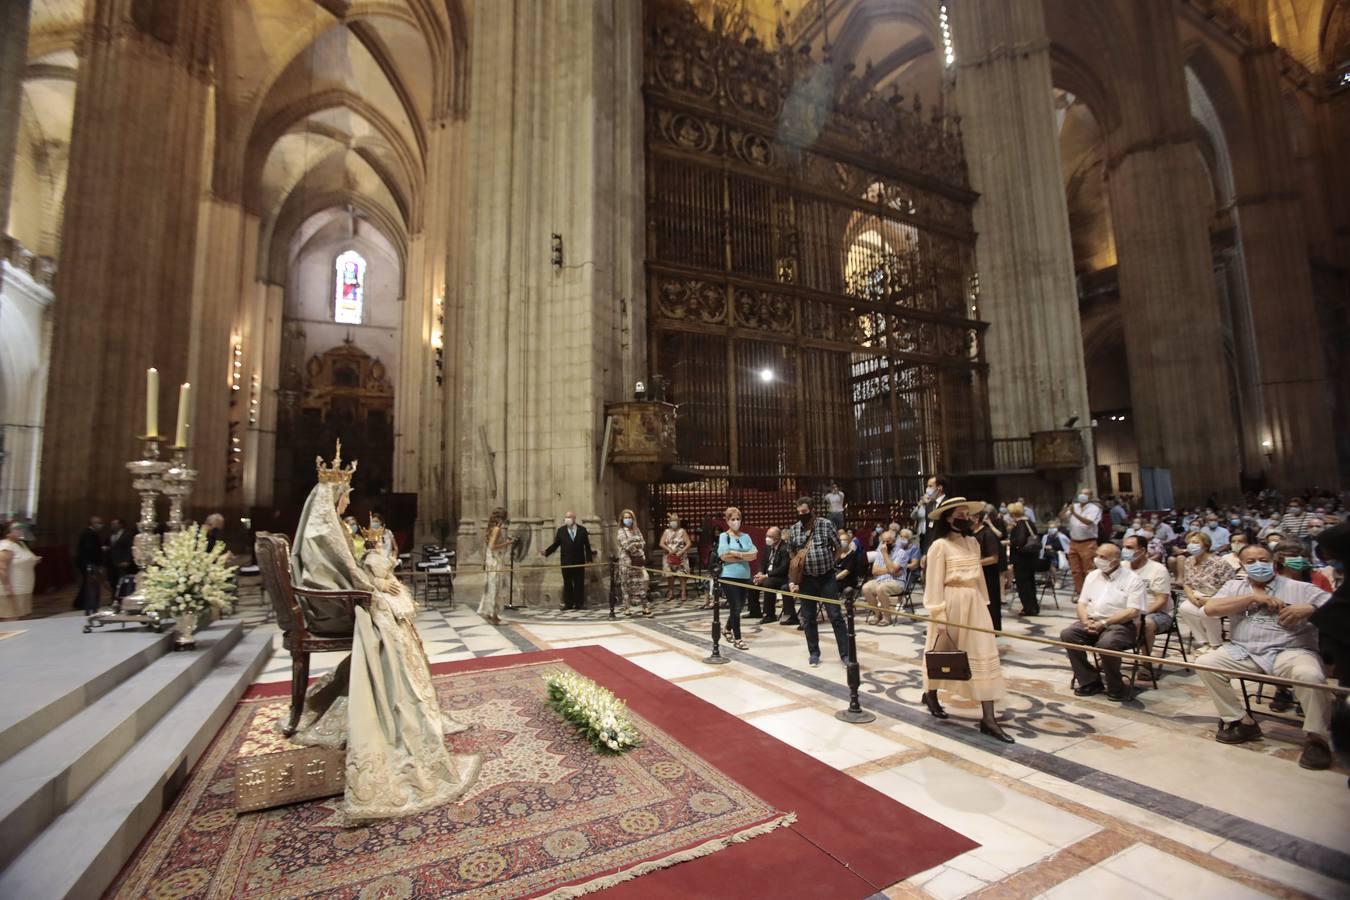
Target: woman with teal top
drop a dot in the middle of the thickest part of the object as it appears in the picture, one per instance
(736, 551)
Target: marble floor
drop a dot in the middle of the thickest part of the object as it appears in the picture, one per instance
(1096, 799)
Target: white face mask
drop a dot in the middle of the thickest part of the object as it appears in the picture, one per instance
(674, 525)
(570, 521)
(734, 524)
(627, 522)
(769, 542)
(1103, 565)
(930, 493)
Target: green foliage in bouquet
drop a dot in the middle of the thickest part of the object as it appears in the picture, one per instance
(601, 717)
(184, 579)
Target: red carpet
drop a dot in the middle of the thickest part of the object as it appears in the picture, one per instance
(849, 840)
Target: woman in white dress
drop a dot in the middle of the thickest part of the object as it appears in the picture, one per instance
(379, 702)
(497, 566)
(955, 592)
(17, 565)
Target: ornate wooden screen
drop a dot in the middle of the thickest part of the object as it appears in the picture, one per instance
(811, 281)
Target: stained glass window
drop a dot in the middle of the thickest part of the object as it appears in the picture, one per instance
(350, 292)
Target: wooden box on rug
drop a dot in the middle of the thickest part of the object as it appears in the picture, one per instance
(265, 780)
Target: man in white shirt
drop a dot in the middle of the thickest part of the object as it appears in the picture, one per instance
(935, 493)
(1158, 614)
(1083, 516)
(1109, 607)
(1163, 531)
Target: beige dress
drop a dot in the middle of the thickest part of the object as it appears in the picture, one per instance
(22, 563)
(497, 585)
(954, 591)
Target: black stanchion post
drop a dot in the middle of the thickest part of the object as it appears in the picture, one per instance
(613, 585)
(716, 658)
(855, 713)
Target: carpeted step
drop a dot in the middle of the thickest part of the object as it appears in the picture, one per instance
(54, 671)
(41, 781)
(80, 853)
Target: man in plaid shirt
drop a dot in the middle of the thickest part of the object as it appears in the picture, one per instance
(818, 580)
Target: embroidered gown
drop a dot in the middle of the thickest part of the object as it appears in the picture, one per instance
(497, 585)
(379, 702)
(632, 561)
(955, 591)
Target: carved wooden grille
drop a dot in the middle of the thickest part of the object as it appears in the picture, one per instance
(802, 225)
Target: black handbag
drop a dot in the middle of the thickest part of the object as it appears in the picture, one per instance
(946, 665)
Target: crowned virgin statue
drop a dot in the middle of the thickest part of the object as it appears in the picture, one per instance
(379, 702)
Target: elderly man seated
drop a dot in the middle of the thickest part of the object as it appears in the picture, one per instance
(1271, 634)
(891, 566)
(1109, 609)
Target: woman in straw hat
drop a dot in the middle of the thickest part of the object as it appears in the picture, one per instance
(955, 594)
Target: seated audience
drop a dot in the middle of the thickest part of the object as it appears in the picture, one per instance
(1109, 607)
(1203, 573)
(1271, 634)
(773, 571)
(1158, 614)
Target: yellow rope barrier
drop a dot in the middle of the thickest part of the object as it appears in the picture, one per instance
(1124, 655)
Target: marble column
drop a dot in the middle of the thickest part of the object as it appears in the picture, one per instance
(1296, 395)
(1037, 379)
(555, 146)
(125, 285)
(13, 64)
(1157, 184)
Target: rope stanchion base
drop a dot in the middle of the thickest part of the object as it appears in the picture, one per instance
(716, 658)
(855, 714)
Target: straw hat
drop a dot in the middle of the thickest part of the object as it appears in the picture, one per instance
(972, 506)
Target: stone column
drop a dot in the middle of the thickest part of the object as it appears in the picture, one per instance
(13, 64)
(555, 146)
(1295, 393)
(125, 285)
(1156, 181)
(1029, 295)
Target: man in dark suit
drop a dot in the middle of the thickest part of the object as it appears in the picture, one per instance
(88, 560)
(117, 555)
(575, 543)
(773, 573)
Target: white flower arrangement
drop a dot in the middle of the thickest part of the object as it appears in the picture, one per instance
(600, 716)
(184, 579)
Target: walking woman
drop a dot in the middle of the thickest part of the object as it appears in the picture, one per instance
(736, 551)
(632, 564)
(1024, 546)
(955, 594)
(496, 565)
(17, 564)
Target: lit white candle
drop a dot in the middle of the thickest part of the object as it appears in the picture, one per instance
(152, 403)
(180, 436)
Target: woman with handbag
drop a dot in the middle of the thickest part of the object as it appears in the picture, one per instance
(1025, 545)
(675, 546)
(962, 661)
(632, 569)
(736, 551)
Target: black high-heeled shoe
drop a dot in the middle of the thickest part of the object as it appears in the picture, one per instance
(994, 731)
(935, 709)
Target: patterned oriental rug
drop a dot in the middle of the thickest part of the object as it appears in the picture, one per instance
(548, 815)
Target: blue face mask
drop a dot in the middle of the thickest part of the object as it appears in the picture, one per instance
(1260, 572)
(1082, 498)
(1127, 555)
(1195, 549)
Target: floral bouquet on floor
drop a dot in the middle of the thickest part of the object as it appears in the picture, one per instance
(600, 716)
(185, 580)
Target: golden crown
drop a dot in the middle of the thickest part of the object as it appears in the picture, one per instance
(334, 474)
(375, 533)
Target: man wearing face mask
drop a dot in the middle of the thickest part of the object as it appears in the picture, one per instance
(819, 539)
(1218, 535)
(1270, 633)
(773, 571)
(1109, 609)
(1083, 517)
(1158, 616)
(886, 565)
(575, 543)
(1294, 522)
(935, 493)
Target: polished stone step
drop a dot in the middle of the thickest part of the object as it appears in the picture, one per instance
(53, 671)
(79, 854)
(41, 781)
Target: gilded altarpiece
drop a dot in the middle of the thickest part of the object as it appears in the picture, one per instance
(812, 296)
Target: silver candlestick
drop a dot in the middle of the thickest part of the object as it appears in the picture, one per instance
(147, 478)
(177, 487)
